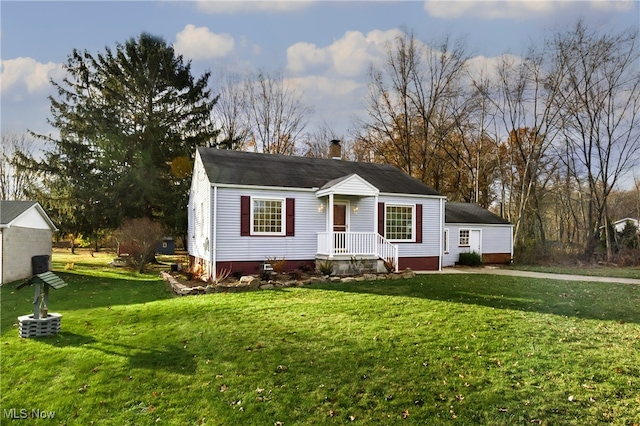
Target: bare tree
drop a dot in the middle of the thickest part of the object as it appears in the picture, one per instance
(15, 178)
(230, 112)
(414, 104)
(139, 238)
(316, 144)
(276, 113)
(600, 106)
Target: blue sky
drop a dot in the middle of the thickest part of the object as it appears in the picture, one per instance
(324, 47)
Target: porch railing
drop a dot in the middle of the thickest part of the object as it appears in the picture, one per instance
(357, 244)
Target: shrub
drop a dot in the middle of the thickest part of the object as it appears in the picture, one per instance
(325, 267)
(470, 259)
(276, 264)
(141, 236)
(389, 265)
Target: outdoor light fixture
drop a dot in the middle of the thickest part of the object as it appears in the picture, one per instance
(321, 208)
(355, 210)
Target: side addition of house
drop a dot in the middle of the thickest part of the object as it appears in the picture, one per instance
(471, 228)
(247, 207)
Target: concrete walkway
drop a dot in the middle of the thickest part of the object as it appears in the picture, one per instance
(492, 270)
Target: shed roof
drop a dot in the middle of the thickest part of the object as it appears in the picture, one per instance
(471, 213)
(248, 168)
(11, 210)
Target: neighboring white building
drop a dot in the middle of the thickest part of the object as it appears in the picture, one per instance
(247, 207)
(25, 231)
(471, 228)
(620, 224)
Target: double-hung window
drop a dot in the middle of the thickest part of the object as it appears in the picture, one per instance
(267, 216)
(399, 222)
(446, 240)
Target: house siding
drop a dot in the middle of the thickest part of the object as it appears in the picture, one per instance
(430, 246)
(496, 242)
(233, 247)
(199, 241)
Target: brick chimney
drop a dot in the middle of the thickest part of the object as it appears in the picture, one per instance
(335, 150)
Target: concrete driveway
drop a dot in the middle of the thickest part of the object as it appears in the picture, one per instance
(492, 270)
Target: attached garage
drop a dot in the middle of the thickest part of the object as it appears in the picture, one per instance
(471, 228)
(25, 231)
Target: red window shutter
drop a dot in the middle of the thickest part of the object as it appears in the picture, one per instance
(245, 216)
(291, 217)
(419, 223)
(381, 219)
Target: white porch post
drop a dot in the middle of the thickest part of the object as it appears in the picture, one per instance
(375, 214)
(330, 226)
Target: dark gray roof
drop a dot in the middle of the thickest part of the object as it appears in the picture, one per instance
(248, 168)
(9, 210)
(470, 213)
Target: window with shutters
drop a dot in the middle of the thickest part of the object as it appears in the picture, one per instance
(399, 222)
(267, 216)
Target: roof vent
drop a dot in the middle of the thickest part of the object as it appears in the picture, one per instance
(335, 150)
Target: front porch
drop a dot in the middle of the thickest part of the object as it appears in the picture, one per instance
(351, 240)
(351, 248)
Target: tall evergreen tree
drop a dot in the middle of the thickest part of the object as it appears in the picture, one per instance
(129, 121)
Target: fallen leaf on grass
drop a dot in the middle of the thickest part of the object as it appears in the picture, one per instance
(405, 414)
(223, 388)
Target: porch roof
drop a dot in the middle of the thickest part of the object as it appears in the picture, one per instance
(348, 185)
(248, 168)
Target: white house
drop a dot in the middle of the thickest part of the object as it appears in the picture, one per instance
(25, 231)
(471, 228)
(247, 207)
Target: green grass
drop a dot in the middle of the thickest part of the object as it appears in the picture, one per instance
(437, 349)
(600, 271)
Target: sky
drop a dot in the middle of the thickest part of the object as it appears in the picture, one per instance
(324, 47)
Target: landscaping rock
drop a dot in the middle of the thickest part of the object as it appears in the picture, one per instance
(408, 273)
(249, 281)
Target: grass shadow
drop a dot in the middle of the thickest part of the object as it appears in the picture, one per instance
(587, 300)
(83, 292)
(170, 357)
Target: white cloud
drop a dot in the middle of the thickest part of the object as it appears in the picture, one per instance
(198, 43)
(303, 55)
(348, 56)
(517, 9)
(229, 7)
(493, 9)
(32, 74)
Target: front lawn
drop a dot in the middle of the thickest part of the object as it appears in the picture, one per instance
(437, 349)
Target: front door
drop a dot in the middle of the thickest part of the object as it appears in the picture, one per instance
(339, 218)
(340, 224)
(475, 241)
